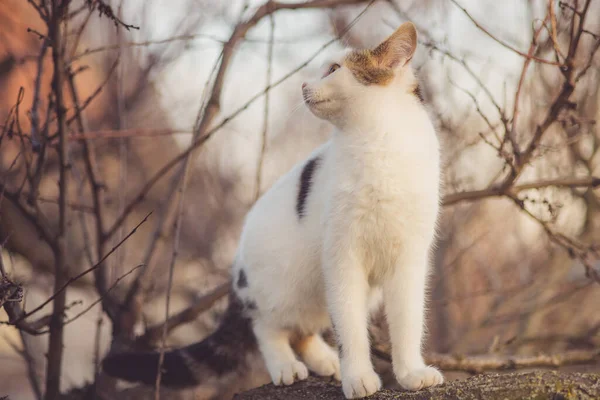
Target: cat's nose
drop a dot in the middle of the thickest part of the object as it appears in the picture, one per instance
(303, 85)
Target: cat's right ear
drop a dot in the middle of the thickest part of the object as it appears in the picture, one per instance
(398, 49)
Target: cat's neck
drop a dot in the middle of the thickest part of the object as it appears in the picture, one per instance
(390, 109)
(377, 120)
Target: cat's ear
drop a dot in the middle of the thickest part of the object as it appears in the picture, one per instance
(398, 49)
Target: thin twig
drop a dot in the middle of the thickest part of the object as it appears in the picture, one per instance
(263, 143)
(100, 279)
(129, 133)
(500, 42)
(37, 220)
(97, 341)
(79, 33)
(40, 35)
(554, 30)
(87, 271)
(41, 10)
(96, 92)
(175, 253)
(479, 111)
(188, 37)
(191, 313)
(106, 10)
(95, 302)
(35, 121)
(512, 134)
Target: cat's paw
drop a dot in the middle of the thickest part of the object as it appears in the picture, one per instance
(357, 385)
(288, 373)
(325, 364)
(323, 361)
(421, 378)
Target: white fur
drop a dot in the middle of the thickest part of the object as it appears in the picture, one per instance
(368, 227)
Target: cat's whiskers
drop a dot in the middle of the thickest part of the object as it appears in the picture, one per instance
(294, 110)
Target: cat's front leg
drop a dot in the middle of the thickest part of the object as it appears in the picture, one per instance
(347, 289)
(404, 297)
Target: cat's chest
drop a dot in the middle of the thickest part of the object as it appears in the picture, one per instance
(376, 179)
(382, 190)
(369, 198)
(378, 183)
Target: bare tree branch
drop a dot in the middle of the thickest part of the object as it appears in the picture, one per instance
(191, 313)
(106, 10)
(109, 305)
(55, 346)
(494, 362)
(499, 191)
(263, 146)
(500, 42)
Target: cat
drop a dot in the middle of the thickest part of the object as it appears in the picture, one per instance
(344, 230)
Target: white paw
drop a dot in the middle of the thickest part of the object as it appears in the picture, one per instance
(324, 363)
(420, 378)
(357, 385)
(288, 373)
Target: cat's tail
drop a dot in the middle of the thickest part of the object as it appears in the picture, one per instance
(224, 351)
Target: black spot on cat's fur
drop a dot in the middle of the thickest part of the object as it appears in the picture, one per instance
(305, 182)
(242, 281)
(418, 93)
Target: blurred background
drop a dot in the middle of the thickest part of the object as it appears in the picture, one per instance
(515, 270)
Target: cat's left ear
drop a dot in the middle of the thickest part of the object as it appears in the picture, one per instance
(398, 49)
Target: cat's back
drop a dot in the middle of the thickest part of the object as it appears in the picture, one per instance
(285, 221)
(281, 245)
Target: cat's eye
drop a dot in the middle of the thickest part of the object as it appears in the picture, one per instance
(332, 68)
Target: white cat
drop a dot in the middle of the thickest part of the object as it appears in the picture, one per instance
(352, 223)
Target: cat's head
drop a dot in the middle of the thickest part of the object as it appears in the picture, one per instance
(358, 78)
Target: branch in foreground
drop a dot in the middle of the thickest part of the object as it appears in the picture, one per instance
(495, 362)
(478, 364)
(514, 386)
(498, 191)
